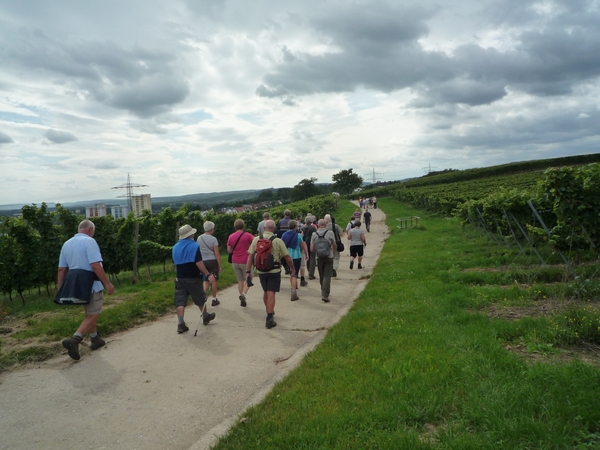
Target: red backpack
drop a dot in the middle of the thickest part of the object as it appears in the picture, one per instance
(263, 256)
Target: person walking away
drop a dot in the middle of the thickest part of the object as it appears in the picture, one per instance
(367, 220)
(270, 279)
(188, 282)
(81, 277)
(307, 230)
(338, 235)
(209, 248)
(261, 224)
(297, 250)
(283, 224)
(324, 246)
(375, 202)
(357, 243)
(238, 244)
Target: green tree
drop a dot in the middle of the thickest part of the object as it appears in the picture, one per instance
(305, 189)
(345, 181)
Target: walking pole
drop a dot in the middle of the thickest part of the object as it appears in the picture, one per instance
(201, 317)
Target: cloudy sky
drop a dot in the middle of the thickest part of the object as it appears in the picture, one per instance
(217, 95)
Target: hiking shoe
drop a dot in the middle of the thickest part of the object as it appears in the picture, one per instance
(182, 328)
(352, 265)
(270, 322)
(294, 297)
(325, 299)
(312, 277)
(334, 273)
(359, 266)
(206, 318)
(303, 283)
(215, 302)
(72, 346)
(97, 342)
(242, 300)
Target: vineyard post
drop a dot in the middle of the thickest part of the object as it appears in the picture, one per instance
(490, 234)
(539, 218)
(528, 240)
(513, 231)
(500, 232)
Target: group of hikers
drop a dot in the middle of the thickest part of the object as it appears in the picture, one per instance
(300, 248)
(367, 202)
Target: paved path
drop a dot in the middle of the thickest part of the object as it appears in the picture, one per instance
(151, 388)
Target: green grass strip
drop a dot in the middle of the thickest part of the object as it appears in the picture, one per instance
(412, 365)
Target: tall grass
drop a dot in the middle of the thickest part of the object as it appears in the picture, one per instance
(414, 364)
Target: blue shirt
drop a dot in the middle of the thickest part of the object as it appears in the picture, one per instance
(80, 252)
(296, 253)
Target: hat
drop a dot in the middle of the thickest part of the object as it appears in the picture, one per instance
(186, 231)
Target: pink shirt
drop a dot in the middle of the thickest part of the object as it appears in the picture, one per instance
(240, 254)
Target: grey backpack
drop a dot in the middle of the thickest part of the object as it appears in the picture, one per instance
(322, 245)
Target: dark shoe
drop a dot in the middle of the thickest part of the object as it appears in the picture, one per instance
(72, 346)
(270, 322)
(97, 342)
(325, 299)
(303, 283)
(242, 300)
(352, 265)
(215, 302)
(207, 317)
(182, 328)
(334, 273)
(249, 282)
(294, 297)
(359, 266)
(312, 277)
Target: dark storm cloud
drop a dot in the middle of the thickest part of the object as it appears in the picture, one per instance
(5, 138)
(59, 137)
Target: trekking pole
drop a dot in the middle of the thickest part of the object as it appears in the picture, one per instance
(201, 317)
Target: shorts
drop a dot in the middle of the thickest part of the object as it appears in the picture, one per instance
(213, 267)
(193, 287)
(270, 282)
(297, 263)
(240, 271)
(356, 250)
(95, 304)
(302, 263)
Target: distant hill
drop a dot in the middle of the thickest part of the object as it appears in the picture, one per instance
(202, 198)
